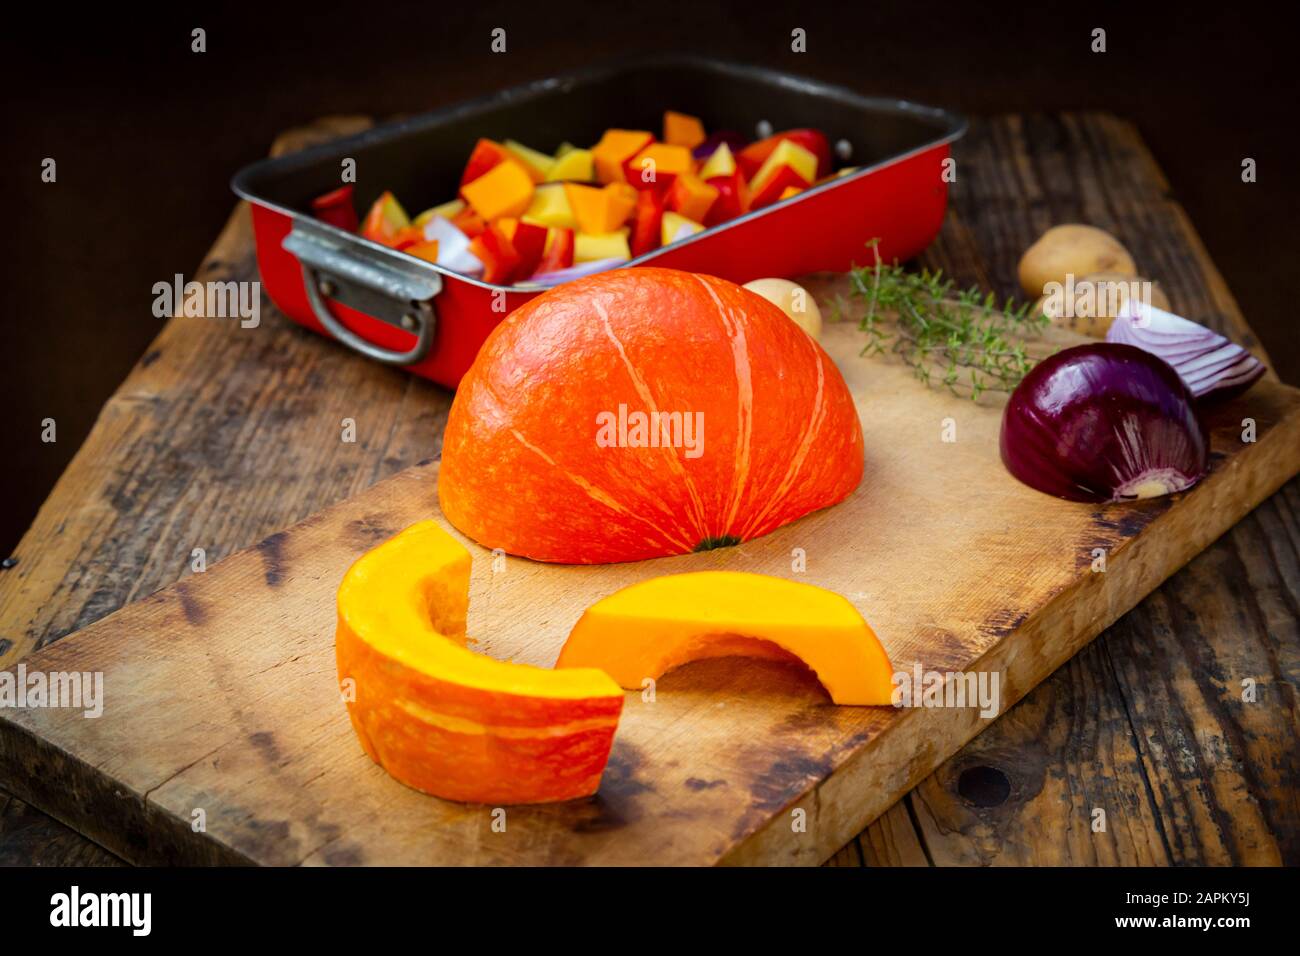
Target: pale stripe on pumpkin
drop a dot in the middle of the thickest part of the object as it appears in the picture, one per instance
(643, 390)
(811, 429)
(597, 495)
(463, 725)
(744, 404)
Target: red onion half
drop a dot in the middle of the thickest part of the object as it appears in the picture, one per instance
(1104, 422)
(1203, 359)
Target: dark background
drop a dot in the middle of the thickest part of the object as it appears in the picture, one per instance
(146, 135)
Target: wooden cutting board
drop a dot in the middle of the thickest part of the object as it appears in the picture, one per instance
(224, 739)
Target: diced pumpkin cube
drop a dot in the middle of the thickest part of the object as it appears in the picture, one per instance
(615, 148)
(486, 154)
(588, 247)
(658, 165)
(600, 210)
(385, 220)
(550, 206)
(787, 153)
(576, 164)
(504, 190)
(676, 226)
(424, 250)
(448, 210)
(538, 164)
(692, 197)
(721, 162)
(682, 130)
(620, 202)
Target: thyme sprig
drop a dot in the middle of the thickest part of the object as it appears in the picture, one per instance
(959, 339)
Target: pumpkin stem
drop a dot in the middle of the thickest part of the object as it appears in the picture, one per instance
(723, 541)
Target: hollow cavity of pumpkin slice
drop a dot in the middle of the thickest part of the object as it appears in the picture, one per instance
(649, 628)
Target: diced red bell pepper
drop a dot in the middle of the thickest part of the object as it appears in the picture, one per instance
(486, 155)
(336, 208)
(498, 255)
(559, 252)
(408, 236)
(529, 241)
(776, 184)
(385, 220)
(732, 201)
(814, 140)
(657, 166)
(647, 221)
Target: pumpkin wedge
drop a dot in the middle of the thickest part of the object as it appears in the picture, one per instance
(443, 719)
(645, 412)
(651, 627)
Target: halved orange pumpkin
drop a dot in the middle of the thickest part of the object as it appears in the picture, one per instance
(443, 719)
(651, 627)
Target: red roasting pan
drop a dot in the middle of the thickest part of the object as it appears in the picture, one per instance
(405, 311)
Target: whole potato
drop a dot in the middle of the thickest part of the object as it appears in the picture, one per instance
(792, 299)
(1072, 249)
(1096, 301)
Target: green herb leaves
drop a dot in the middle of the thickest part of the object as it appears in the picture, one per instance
(961, 340)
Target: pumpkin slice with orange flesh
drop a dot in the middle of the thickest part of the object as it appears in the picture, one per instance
(443, 719)
(651, 627)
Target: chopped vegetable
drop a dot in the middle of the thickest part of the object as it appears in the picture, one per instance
(504, 190)
(676, 226)
(385, 219)
(1204, 360)
(587, 247)
(336, 208)
(615, 148)
(521, 212)
(600, 210)
(1104, 422)
(682, 130)
(576, 164)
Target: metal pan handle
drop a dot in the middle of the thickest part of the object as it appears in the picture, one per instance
(382, 283)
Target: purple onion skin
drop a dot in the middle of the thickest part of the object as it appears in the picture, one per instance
(1104, 422)
(734, 141)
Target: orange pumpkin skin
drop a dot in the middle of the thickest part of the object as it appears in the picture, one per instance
(443, 719)
(523, 470)
(536, 751)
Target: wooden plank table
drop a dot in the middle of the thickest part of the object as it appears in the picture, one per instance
(221, 436)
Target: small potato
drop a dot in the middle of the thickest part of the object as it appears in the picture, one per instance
(1075, 250)
(1090, 304)
(792, 299)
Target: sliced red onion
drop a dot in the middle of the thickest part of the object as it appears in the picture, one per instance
(1205, 360)
(560, 276)
(453, 246)
(1104, 422)
(734, 141)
